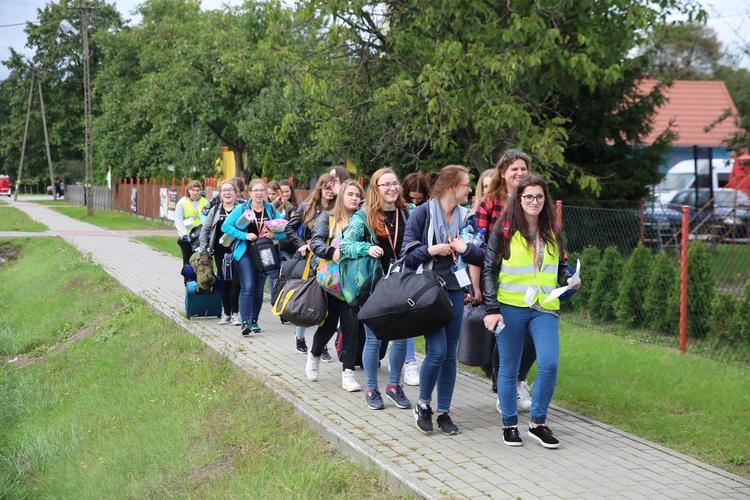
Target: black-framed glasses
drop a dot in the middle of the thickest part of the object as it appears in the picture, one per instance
(528, 198)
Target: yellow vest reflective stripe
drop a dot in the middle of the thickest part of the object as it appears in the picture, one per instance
(517, 275)
(191, 216)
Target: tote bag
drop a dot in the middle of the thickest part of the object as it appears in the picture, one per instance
(328, 270)
(407, 304)
(476, 342)
(358, 276)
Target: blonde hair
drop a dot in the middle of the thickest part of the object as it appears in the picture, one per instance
(340, 214)
(479, 191)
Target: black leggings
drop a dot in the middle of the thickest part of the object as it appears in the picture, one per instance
(230, 290)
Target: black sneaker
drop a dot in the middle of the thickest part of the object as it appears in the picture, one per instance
(423, 417)
(398, 397)
(301, 345)
(446, 425)
(246, 329)
(511, 437)
(325, 357)
(543, 435)
(374, 400)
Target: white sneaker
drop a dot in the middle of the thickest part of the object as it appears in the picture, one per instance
(348, 383)
(497, 405)
(224, 320)
(411, 373)
(524, 398)
(236, 321)
(312, 368)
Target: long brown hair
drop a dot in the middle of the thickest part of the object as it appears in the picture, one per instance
(498, 187)
(417, 182)
(314, 200)
(340, 215)
(513, 216)
(374, 203)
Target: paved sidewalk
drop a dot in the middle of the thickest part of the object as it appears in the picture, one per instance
(595, 460)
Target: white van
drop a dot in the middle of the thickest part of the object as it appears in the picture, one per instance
(682, 176)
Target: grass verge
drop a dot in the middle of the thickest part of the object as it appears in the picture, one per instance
(12, 219)
(166, 244)
(103, 398)
(110, 219)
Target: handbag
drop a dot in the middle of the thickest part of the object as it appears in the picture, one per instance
(227, 266)
(265, 254)
(476, 342)
(302, 301)
(328, 270)
(405, 304)
(358, 276)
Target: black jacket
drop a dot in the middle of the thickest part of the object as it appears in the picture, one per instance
(319, 241)
(491, 270)
(292, 228)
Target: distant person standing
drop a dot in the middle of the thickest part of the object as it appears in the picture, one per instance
(187, 217)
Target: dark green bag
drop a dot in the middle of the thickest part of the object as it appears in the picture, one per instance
(358, 276)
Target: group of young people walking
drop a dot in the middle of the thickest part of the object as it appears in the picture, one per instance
(420, 220)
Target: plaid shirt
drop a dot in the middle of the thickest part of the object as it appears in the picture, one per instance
(487, 214)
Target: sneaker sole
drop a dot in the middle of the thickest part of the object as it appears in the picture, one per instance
(512, 443)
(327, 360)
(542, 443)
(311, 378)
(400, 405)
(450, 433)
(382, 407)
(351, 389)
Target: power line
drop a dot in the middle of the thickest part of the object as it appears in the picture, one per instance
(18, 24)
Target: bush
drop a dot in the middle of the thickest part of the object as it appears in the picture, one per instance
(659, 303)
(590, 259)
(629, 308)
(701, 291)
(606, 286)
(726, 325)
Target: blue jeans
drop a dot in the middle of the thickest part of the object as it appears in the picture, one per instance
(410, 358)
(299, 332)
(439, 364)
(545, 331)
(371, 358)
(251, 288)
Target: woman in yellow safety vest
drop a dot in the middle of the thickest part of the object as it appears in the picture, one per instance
(187, 216)
(523, 266)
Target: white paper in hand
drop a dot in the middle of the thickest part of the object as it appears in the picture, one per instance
(574, 280)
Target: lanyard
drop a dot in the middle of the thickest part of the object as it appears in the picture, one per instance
(394, 240)
(255, 219)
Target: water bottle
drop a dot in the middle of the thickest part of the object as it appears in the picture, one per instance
(479, 237)
(467, 233)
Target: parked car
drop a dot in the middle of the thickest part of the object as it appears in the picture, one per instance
(5, 187)
(730, 212)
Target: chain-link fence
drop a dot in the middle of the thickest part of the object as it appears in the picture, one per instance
(631, 265)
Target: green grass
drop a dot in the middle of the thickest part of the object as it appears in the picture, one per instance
(12, 219)
(111, 219)
(107, 399)
(167, 244)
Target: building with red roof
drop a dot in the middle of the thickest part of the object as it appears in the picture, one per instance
(701, 113)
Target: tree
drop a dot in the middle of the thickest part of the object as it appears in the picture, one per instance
(418, 84)
(60, 60)
(179, 84)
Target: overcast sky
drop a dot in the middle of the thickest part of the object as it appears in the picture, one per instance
(729, 18)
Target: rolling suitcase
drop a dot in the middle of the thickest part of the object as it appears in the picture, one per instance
(202, 304)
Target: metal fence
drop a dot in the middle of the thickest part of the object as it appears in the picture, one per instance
(633, 262)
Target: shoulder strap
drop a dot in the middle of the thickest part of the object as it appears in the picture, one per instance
(506, 239)
(330, 230)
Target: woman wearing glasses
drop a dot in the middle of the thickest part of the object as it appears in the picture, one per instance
(251, 282)
(434, 227)
(299, 233)
(521, 268)
(510, 169)
(377, 230)
(211, 233)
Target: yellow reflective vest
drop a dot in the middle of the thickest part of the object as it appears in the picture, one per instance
(191, 216)
(517, 274)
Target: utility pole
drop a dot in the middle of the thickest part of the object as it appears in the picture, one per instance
(35, 76)
(86, 100)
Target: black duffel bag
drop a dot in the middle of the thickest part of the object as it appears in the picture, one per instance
(407, 304)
